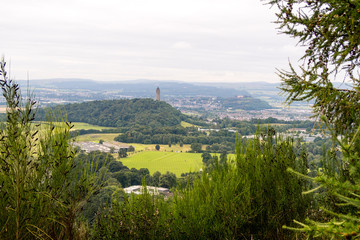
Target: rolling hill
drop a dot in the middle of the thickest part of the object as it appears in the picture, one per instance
(120, 113)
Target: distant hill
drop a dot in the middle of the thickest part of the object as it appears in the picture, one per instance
(136, 88)
(121, 113)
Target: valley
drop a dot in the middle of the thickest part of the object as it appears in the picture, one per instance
(241, 101)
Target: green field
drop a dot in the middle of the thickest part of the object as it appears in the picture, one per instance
(86, 126)
(107, 137)
(77, 125)
(186, 124)
(173, 159)
(165, 161)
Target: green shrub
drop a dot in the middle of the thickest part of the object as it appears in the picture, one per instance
(251, 196)
(42, 191)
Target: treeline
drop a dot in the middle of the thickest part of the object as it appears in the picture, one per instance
(222, 132)
(122, 174)
(119, 113)
(79, 132)
(178, 135)
(251, 126)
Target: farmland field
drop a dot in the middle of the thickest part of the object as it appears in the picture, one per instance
(107, 137)
(186, 124)
(86, 126)
(165, 161)
(77, 125)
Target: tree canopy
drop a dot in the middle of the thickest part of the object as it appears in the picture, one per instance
(330, 31)
(121, 113)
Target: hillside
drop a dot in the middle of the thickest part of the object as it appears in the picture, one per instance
(121, 113)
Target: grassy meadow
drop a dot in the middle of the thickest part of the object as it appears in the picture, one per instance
(77, 125)
(186, 124)
(86, 126)
(175, 162)
(95, 137)
(163, 148)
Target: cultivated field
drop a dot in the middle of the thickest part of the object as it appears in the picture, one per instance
(186, 124)
(163, 148)
(107, 137)
(86, 126)
(77, 125)
(165, 161)
(173, 159)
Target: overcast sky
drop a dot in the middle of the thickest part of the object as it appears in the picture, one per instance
(184, 40)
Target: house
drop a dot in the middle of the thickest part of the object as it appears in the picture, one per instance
(138, 189)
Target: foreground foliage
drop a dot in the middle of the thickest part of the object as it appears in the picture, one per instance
(42, 191)
(330, 29)
(251, 197)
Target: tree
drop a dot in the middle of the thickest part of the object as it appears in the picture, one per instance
(167, 180)
(144, 171)
(115, 166)
(123, 176)
(196, 147)
(112, 150)
(43, 190)
(157, 147)
(122, 153)
(330, 29)
(156, 178)
(131, 148)
(223, 157)
(206, 158)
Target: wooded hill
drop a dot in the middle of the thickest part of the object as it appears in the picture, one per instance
(120, 113)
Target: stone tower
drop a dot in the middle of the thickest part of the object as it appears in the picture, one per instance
(158, 94)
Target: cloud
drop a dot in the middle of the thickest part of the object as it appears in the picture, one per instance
(108, 40)
(181, 45)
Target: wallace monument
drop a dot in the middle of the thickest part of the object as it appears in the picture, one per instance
(157, 94)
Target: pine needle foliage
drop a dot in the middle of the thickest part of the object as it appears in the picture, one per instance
(42, 191)
(330, 30)
(343, 187)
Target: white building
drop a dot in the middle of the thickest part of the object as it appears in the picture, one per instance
(138, 189)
